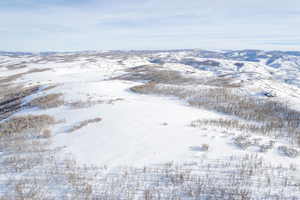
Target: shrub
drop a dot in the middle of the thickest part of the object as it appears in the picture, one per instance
(27, 123)
(14, 77)
(156, 74)
(83, 124)
(272, 118)
(46, 133)
(47, 101)
(12, 99)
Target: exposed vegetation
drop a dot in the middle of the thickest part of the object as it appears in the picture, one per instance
(32, 169)
(89, 103)
(12, 95)
(83, 124)
(37, 173)
(6, 79)
(270, 117)
(11, 100)
(155, 74)
(27, 123)
(48, 101)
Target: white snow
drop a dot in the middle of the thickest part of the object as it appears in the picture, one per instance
(143, 129)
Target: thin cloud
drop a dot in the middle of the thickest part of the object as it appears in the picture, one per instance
(134, 24)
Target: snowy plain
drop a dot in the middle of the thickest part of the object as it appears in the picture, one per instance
(139, 130)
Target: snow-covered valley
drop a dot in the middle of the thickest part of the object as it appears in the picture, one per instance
(187, 124)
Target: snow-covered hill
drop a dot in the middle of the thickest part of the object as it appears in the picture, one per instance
(194, 109)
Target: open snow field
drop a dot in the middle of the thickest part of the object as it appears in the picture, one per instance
(127, 116)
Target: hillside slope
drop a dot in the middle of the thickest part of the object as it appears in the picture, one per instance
(226, 118)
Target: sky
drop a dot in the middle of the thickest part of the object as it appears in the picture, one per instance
(74, 25)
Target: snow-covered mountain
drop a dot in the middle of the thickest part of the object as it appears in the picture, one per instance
(150, 124)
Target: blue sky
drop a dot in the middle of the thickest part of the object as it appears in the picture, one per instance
(66, 25)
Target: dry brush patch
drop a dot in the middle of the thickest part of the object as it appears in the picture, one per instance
(82, 104)
(90, 103)
(83, 124)
(24, 146)
(113, 101)
(50, 87)
(47, 101)
(11, 78)
(230, 124)
(16, 66)
(274, 118)
(23, 141)
(159, 75)
(12, 96)
(236, 178)
(11, 100)
(241, 178)
(222, 82)
(27, 123)
(156, 74)
(36, 70)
